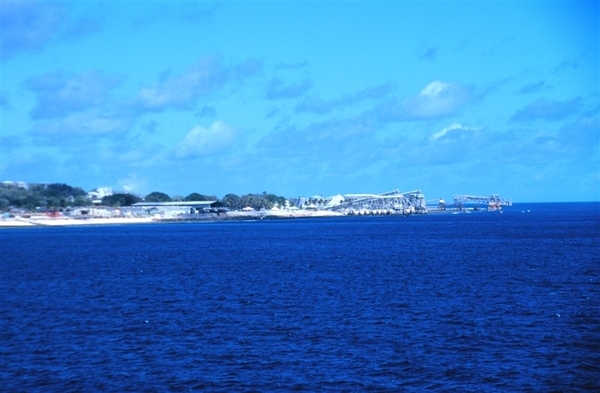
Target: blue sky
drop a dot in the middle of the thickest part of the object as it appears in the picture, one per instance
(304, 98)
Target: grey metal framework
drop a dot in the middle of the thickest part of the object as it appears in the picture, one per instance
(490, 200)
(393, 202)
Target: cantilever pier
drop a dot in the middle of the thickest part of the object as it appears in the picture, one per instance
(493, 201)
(393, 202)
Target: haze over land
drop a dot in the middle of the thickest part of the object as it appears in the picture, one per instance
(300, 99)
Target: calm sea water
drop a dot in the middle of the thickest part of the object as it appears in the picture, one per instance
(480, 302)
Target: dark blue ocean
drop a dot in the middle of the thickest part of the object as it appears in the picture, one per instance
(480, 302)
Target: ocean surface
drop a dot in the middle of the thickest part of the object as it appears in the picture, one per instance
(480, 302)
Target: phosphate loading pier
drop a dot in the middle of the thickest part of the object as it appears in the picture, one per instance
(393, 202)
(491, 202)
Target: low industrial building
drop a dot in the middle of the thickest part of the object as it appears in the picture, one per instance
(170, 209)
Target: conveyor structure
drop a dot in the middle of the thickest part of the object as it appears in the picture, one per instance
(393, 202)
(493, 201)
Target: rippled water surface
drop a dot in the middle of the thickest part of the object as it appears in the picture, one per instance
(445, 302)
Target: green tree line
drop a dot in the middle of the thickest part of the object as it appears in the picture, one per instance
(59, 196)
(46, 196)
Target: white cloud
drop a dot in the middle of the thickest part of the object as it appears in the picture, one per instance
(435, 88)
(453, 129)
(436, 99)
(202, 141)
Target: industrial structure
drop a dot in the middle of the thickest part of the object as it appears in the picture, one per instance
(393, 202)
(493, 201)
(170, 209)
(388, 203)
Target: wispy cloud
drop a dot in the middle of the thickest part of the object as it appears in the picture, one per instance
(135, 153)
(534, 87)
(28, 25)
(198, 13)
(59, 94)
(580, 139)
(90, 123)
(318, 142)
(545, 109)
(206, 111)
(31, 25)
(4, 101)
(247, 69)
(292, 65)
(11, 141)
(29, 163)
(320, 106)
(437, 99)
(566, 64)
(429, 53)
(278, 89)
(336, 150)
(181, 91)
(194, 13)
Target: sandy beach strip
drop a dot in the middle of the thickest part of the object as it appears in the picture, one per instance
(64, 221)
(233, 215)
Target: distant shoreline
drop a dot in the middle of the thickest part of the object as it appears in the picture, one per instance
(65, 221)
(62, 221)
